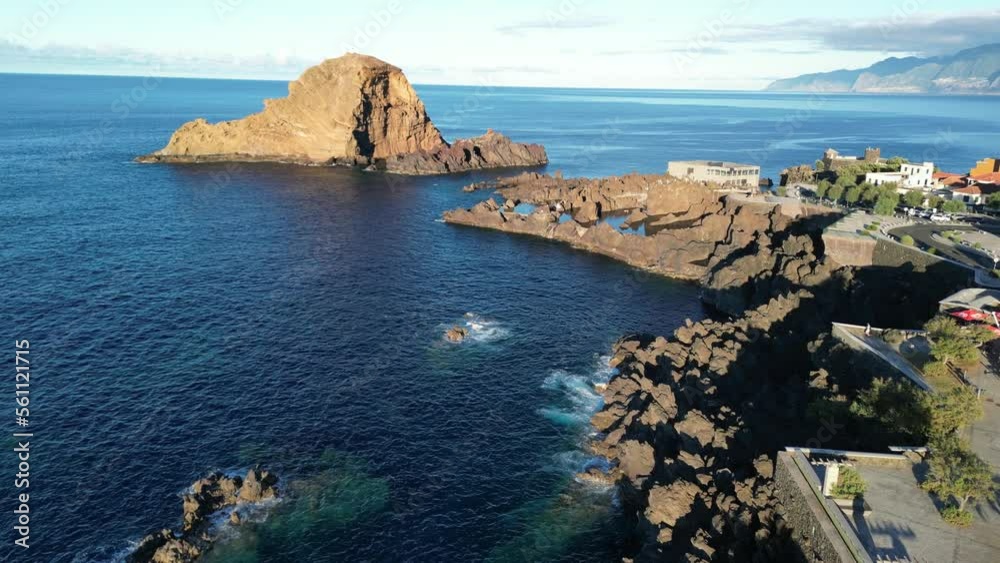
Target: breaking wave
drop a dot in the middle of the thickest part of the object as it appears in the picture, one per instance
(482, 329)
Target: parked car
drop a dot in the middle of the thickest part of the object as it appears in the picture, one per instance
(938, 218)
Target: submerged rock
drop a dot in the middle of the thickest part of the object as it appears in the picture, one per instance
(353, 110)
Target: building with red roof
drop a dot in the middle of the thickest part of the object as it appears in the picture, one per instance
(949, 180)
(991, 178)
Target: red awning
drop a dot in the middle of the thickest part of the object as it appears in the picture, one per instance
(971, 315)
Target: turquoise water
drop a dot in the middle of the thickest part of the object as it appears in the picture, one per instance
(191, 319)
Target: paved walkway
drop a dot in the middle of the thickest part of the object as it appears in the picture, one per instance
(984, 435)
(990, 243)
(904, 522)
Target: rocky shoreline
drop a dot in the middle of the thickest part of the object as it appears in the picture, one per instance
(207, 498)
(354, 110)
(691, 422)
(691, 229)
(696, 478)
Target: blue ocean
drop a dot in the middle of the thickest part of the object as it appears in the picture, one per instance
(190, 319)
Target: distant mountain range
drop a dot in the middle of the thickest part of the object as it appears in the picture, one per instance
(972, 71)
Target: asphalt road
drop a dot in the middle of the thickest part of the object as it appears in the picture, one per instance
(922, 234)
(989, 224)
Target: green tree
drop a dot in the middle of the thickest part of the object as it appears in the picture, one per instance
(952, 410)
(981, 334)
(953, 206)
(936, 369)
(822, 188)
(835, 192)
(897, 406)
(852, 195)
(993, 200)
(914, 198)
(956, 516)
(957, 474)
(896, 162)
(886, 203)
(844, 180)
(869, 192)
(907, 240)
(949, 343)
(960, 351)
(941, 326)
(933, 202)
(820, 165)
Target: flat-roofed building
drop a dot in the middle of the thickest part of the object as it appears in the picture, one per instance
(912, 176)
(727, 174)
(986, 166)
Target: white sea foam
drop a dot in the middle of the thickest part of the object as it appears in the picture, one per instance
(578, 461)
(482, 329)
(579, 398)
(579, 390)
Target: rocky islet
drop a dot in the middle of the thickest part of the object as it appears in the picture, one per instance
(354, 110)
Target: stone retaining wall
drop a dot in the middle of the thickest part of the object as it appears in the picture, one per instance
(893, 255)
(821, 532)
(849, 249)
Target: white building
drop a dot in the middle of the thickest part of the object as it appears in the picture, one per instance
(728, 174)
(918, 175)
(909, 176)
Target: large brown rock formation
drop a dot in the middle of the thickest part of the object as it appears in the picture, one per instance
(351, 110)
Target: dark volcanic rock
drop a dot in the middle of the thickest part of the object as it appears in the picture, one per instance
(691, 423)
(691, 470)
(694, 231)
(491, 150)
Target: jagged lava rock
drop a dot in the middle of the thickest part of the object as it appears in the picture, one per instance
(492, 150)
(207, 496)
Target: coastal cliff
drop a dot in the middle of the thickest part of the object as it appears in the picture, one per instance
(354, 110)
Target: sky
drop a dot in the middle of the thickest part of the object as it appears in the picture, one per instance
(708, 44)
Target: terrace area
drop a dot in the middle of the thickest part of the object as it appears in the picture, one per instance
(894, 519)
